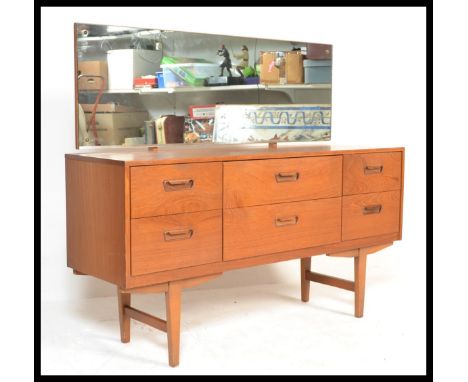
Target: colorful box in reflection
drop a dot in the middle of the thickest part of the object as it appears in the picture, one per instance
(262, 123)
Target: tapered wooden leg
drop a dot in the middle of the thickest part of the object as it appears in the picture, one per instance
(173, 298)
(359, 282)
(124, 319)
(305, 284)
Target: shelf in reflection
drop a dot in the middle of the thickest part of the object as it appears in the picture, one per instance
(213, 88)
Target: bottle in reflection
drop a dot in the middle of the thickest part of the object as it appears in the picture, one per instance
(150, 135)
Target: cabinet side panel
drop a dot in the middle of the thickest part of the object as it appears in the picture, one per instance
(402, 188)
(96, 219)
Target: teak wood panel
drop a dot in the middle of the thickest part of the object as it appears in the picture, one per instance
(175, 241)
(402, 192)
(203, 153)
(260, 182)
(95, 197)
(260, 230)
(371, 214)
(172, 189)
(364, 173)
(224, 266)
(115, 161)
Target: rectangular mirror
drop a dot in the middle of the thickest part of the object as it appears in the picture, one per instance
(144, 86)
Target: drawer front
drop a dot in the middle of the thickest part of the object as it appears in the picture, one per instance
(371, 214)
(175, 241)
(371, 173)
(258, 182)
(261, 230)
(172, 189)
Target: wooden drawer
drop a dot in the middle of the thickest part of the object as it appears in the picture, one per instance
(172, 189)
(371, 214)
(258, 182)
(175, 241)
(261, 230)
(371, 173)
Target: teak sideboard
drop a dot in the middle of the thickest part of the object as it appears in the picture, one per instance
(164, 220)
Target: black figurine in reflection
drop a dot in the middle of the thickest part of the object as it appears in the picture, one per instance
(226, 62)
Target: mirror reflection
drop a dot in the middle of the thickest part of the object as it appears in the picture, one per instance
(140, 86)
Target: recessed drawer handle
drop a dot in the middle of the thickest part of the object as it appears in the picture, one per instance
(373, 169)
(374, 209)
(176, 185)
(180, 234)
(287, 177)
(290, 220)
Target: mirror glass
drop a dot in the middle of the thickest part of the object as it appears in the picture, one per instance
(143, 86)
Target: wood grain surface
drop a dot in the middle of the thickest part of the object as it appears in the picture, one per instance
(363, 173)
(259, 182)
(224, 266)
(202, 153)
(153, 251)
(358, 224)
(95, 197)
(254, 231)
(150, 195)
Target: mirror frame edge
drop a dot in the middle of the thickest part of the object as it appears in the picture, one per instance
(75, 78)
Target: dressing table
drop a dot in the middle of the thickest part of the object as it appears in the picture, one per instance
(165, 220)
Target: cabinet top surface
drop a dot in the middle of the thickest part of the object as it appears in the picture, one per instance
(168, 154)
